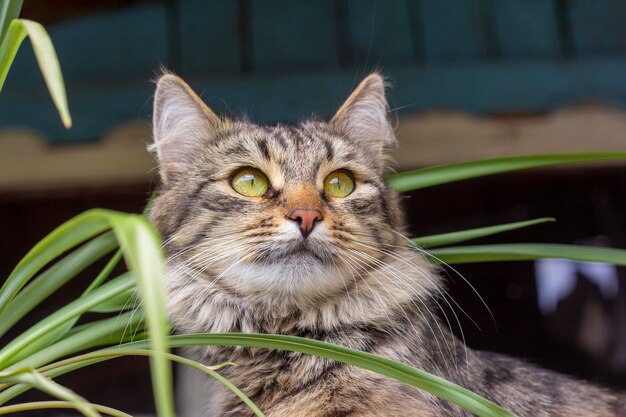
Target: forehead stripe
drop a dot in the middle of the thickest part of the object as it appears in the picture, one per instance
(280, 139)
(330, 153)
(262, 144)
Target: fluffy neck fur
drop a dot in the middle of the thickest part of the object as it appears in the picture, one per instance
(400, 284)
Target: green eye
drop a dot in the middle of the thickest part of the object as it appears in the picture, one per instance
(250, 182)
(338, 184)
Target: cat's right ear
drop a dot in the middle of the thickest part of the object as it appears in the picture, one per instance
(180, 123)
(363, 119)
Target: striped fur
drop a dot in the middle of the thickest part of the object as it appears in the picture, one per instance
(238, 264)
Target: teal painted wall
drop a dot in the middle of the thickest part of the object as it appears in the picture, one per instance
(280, 60)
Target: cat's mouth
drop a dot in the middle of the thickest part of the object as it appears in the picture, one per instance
(296, 253)
(301, 252)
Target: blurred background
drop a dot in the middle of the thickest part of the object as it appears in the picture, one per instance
(469, 79)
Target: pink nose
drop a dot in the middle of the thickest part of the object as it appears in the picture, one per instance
(306, 218)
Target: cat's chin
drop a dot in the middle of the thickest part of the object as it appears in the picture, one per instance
(298, 274)
(298, 256)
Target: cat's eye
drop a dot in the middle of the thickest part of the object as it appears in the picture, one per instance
(339, 184)
(250, 182)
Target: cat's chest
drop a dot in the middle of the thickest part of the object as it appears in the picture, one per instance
(287, 385)
(261, 371)
(270, 377)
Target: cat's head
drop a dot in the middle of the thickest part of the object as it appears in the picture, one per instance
(276, 215)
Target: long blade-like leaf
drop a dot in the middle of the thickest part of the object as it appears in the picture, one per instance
(443, 174)
(90, 335)
(13, 351)
(46, 58)
(396, 370)
(48, 340)
(91, 358)
(46, 405)
(11, 42)
(465, 235)
(142, 252)
(63, 238)
(55, 277)
(9, 10)
(124, 301)
(403, 373)
(47, 385)
(527, 251)
(106, 271)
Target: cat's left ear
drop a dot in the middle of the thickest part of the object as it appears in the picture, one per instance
(363, 117)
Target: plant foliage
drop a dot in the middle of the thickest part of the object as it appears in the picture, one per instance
(13, 31)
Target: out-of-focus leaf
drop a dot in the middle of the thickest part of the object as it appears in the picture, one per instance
(54, 278)
(9, 10)
(45, 384)
(465, 235)
(527, 251)
(46, 405)
(443, 174)
(46, 58)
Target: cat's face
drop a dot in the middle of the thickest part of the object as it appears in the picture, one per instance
(273, 214)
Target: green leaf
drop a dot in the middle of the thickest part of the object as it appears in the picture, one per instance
(63, 238)
(443, 174)
(433, 384)
(465, 235)
(91, 358)
(46, 58)
(108, 306)
(9, 10)
(55, 277)
(142, 253)
(124, 301)
(99, 333)
(46, 405)
(396, 370)
(19, 346)
(13, 38)
(34, 348)
(527, 251)
(106, 271)
(45, 384)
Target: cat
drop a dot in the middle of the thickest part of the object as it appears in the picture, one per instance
(291, 229)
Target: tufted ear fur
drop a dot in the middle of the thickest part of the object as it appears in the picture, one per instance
(181, 121)
(363, 117)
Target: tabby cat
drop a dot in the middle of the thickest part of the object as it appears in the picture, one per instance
(292, 230)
